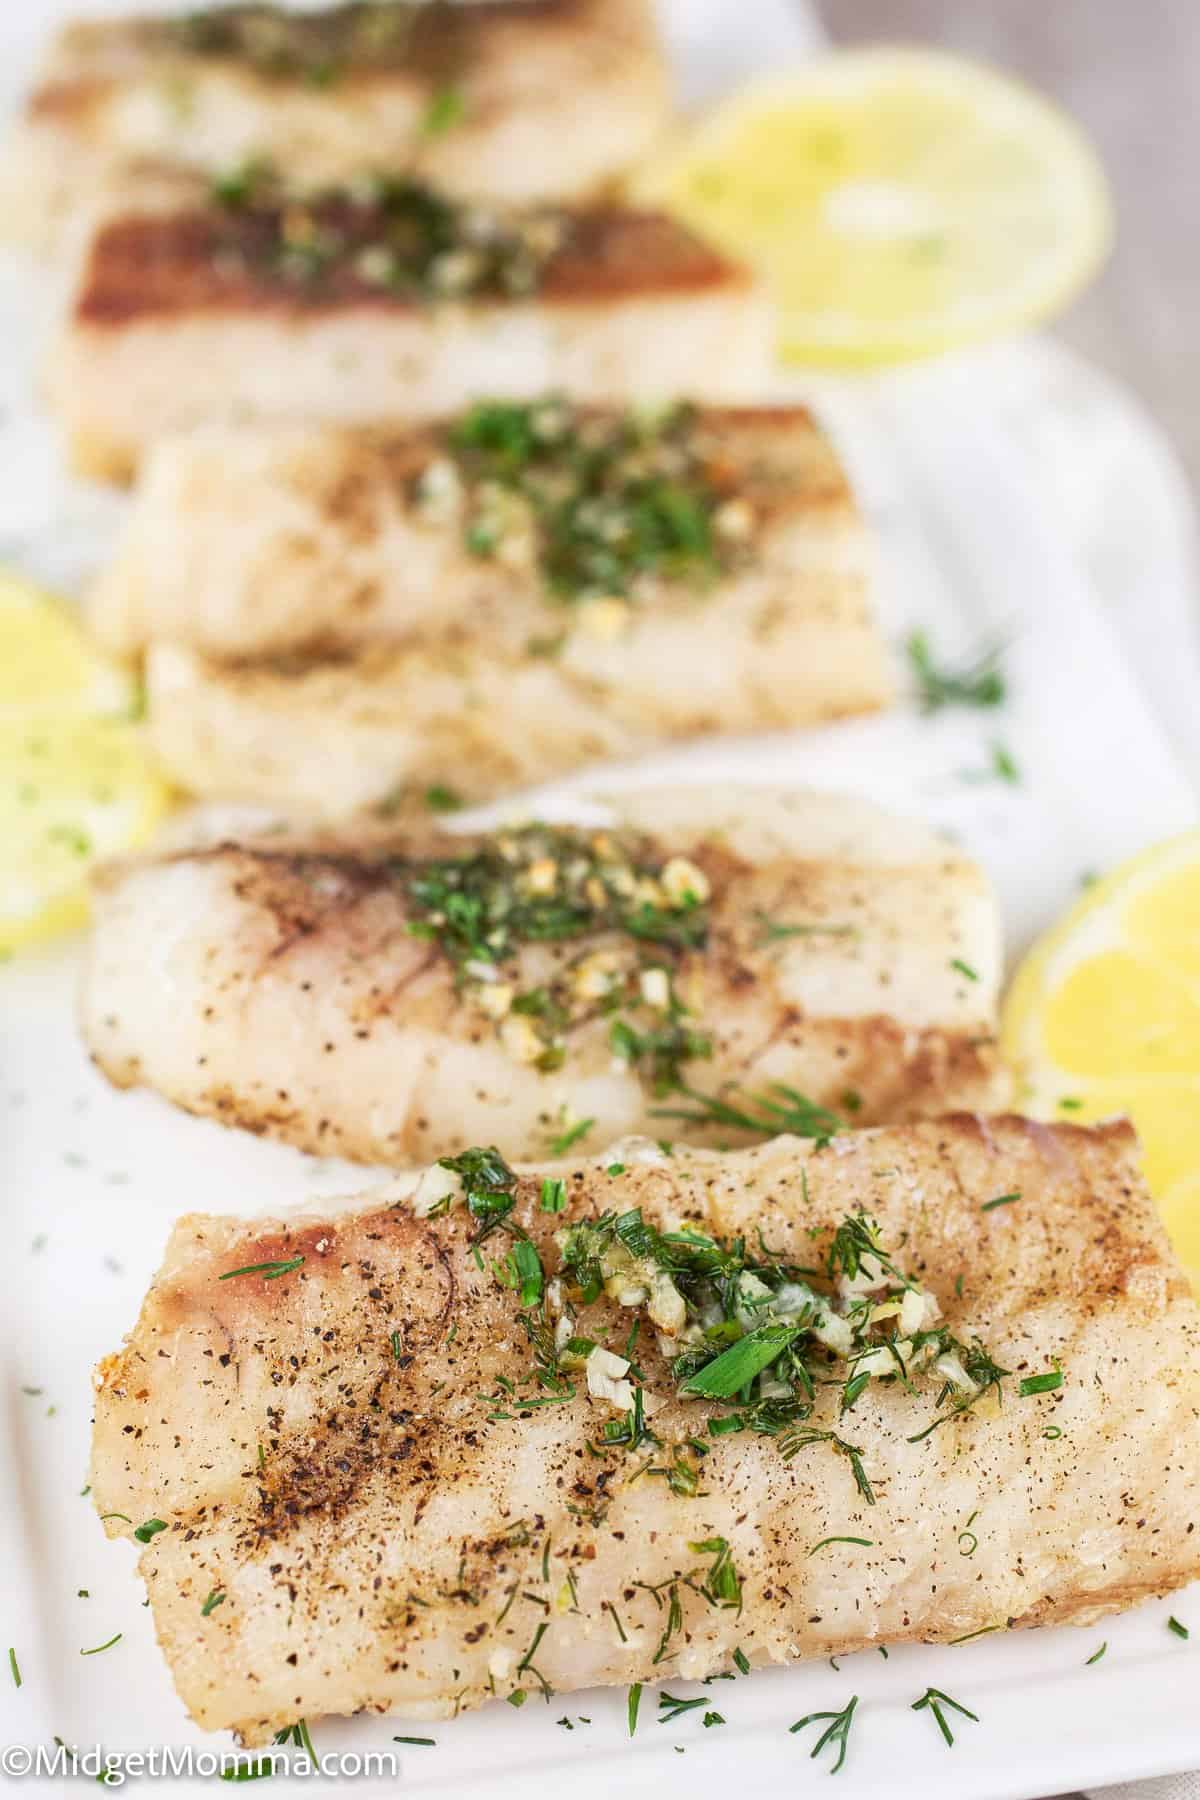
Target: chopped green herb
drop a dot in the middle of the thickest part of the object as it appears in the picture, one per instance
(527, 1272)
(670, 1708)
(774, 931)
(967, 1636)
(215, 1599)
(865, 1542)
(99, 1647)
(607, 1606)
(14, 1667)
(1181, 1631)
(721, 1586)
(518, 1697)
(1041, 1384)
(1004, 765)
(632, 1705)
(1068, 1104)
(605, 507)
(569, 1138)
(1000, 1200)
(441, 799)
(742, 1661)
(615, 1169)
(1096, 1655)
(979, 684)
(712, 1718)
(527, 1661)
(935, 1700)
(837, 1732)
(446, 108)
(489, 1184)
(736, 1367)
(964, 968)
(150, 1529)
(415, 1740)
(270, 1271)
(781, 1109)
(554, 1194)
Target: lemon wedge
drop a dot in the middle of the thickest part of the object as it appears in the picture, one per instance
(1104, 1017)
(898, 202)
(75, 783)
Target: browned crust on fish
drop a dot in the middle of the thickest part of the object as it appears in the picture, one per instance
(158, 266)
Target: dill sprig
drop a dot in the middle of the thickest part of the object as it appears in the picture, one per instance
(837, 1732)
(980, 683)
(781, 1109)
(935, 1700)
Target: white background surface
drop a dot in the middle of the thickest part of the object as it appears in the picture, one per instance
(976, 543)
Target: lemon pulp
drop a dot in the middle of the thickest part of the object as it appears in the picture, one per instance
(1104, 1017)
(75, 784)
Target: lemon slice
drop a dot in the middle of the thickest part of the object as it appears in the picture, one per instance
(898, 202)
(46, 663)
(75, 783)
(1104, 1017)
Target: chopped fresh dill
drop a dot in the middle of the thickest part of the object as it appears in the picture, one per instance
(780, 1109)
(442, 799)
(270, 1271)
(1000, 1200)
(935, 1700)
(447, 108)
(837, 1732)
(979, 684)
(571, 1136)
(776, 931)
(671, 1708)
(1004, 765)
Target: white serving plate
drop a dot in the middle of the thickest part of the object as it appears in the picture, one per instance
(92, 1180)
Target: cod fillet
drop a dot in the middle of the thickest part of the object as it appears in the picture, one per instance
(674, 974)
(381, 301)
(394, 1473)
(513, 102)
(300, 540)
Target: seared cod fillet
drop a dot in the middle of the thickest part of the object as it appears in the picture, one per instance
(512, 102)
(246, 544)
(337, 616)
(714, 957)
(384, 301)
(397, 1474)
